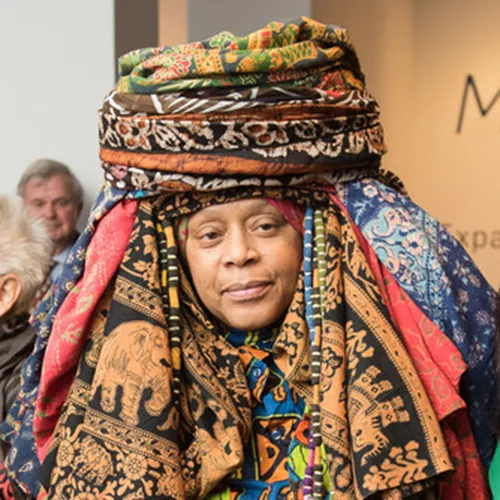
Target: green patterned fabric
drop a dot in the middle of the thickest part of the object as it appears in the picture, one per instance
(298, 53)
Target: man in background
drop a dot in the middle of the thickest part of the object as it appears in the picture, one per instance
(52, 193)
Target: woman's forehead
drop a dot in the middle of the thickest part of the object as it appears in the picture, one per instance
(239, 208)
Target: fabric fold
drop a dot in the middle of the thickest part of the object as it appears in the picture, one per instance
(103, 256)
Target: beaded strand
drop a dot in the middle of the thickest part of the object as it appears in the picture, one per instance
(170, 295)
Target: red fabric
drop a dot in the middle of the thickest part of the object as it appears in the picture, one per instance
(293, 213)
(67, 338)
(6, 492)
(468, 480)
(440, 367)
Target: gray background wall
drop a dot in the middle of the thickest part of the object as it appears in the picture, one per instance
(207, 17)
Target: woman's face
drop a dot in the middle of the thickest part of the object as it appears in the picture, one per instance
(244, 259)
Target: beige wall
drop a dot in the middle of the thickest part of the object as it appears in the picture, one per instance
(416, 55)
(172, 22)
(383, 34)
(457, 176)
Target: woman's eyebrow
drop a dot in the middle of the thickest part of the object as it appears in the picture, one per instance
(207, 219)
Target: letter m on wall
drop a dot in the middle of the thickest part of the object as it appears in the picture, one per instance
(470, 86)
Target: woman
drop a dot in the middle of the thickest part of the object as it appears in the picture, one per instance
(224, 328)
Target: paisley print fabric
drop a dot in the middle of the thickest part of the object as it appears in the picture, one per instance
(436, 272)
(440, 367)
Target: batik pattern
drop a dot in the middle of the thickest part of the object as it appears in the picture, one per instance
(343, 133)
(155, 181)
(123, 412)
(266, 139)
(217, 101)
(438, 274)
(161, 119)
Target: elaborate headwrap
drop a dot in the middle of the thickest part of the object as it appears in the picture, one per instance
(140, 396)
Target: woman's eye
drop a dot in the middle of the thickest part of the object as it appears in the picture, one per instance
(267, 226)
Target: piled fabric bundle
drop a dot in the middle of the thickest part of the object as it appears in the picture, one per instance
(387, 343)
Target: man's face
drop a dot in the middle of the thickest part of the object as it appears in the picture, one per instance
(51, 200)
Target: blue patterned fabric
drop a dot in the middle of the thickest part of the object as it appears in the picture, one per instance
(440, 277)
(17, 429)
(276, 413)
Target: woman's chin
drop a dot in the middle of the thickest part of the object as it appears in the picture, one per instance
(250, 321)
(254, 315)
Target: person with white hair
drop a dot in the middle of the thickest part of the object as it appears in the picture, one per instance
(25, 253)
(52, 193)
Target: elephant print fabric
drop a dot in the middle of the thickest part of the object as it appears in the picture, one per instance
(133, 360)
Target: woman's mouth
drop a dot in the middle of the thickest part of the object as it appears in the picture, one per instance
(241, 292)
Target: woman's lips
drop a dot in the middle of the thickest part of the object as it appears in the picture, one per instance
(250, 291)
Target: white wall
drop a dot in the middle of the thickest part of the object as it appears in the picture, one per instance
(208, 17)
(57, 65)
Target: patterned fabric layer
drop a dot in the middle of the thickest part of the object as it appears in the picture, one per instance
(299, 53)
(282, 140)
(17, 429)
(436, 272)
(152, 445)
(287, 99)
(277, 414)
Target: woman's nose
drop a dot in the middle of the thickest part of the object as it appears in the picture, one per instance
(239, 249)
